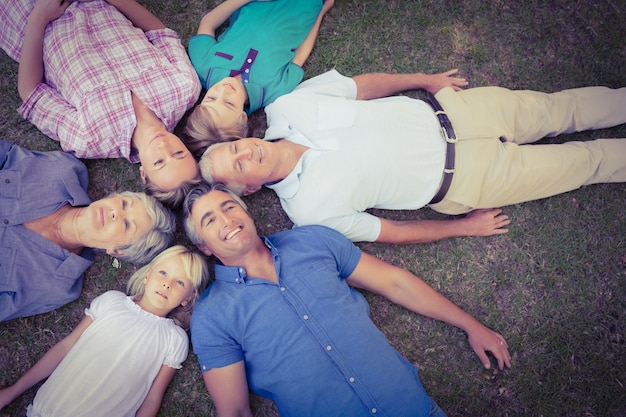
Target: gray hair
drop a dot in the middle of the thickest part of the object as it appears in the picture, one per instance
(157, 239)
(206, 170)
(195, 194)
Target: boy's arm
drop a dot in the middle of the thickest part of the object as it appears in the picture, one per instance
(304, 50)
(214, 19)
(228, 388)
(371, 86)
(404, 288)
(30, 70)
(45, 366)
(137, 14)
(152, 402)
(485, 222)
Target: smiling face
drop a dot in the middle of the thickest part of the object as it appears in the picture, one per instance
(166, 287)
(226, 228)
(226, 101)
(112, 222)
(248, 162)
(167, 162)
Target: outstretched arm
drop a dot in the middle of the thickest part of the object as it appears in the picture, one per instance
(152, 402)
(228, 388)
(304, 50)
(404, 288)
(214, 19)
(45, 366)
(370, 86)
(485, 222)
(137, 14)
(30, 71)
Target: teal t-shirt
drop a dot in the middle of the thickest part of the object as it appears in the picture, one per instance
(259, 43)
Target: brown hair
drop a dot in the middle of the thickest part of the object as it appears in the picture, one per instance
(202, 131)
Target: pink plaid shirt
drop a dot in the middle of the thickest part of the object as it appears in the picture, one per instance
(93, 58)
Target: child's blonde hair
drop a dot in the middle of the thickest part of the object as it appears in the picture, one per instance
(202, 131)
(196, 270)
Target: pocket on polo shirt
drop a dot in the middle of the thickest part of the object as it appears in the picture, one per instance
(335, 113)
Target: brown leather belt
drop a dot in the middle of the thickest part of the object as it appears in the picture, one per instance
(448, 133)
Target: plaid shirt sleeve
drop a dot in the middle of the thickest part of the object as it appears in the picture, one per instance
(61, 121)
(187, 82)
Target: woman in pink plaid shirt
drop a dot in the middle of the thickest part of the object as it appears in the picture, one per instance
(116, 83)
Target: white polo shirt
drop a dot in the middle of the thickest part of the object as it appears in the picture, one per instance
(386, 153)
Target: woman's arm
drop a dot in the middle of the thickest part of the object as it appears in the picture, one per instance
(30, 71)
(137, 14)
(152, 402)
(214, 19)
(45, 366)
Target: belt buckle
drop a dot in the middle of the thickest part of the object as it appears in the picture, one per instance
(442, 117)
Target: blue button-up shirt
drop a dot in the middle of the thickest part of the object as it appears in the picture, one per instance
(37, 275)
(308, 342)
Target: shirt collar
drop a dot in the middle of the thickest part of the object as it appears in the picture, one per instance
(288, 186)
(237, 274)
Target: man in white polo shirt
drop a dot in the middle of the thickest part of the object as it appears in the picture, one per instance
(338, 146)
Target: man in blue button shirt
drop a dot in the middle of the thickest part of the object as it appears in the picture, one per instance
(283, 319)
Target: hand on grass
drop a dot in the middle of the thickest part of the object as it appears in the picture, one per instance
(483, 340)
(436, 82)
(486, 222)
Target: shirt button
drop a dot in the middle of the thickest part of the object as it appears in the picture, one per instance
(249, 61)
(282, 289)
(329, 348)
(236, 279)
(5, 221)
(374, 411)
(245, 81)
(351, 379)
(7, 181)
(306, 317)
(247, 70)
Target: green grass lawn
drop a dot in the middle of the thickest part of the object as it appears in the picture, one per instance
(554, 286)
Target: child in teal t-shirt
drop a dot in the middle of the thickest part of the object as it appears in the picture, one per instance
(257, 59)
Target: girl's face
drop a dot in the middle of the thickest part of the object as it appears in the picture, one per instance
(166, 287)
(226, 99)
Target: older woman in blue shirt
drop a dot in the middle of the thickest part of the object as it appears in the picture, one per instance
(48, 223)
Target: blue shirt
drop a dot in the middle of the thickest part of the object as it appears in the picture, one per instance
(259, 44)
(308, 342)
(37, 275)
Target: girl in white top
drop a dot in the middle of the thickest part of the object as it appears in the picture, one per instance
(121, 357)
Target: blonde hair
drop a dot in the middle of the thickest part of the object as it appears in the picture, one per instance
(202, 130)
(196, 270)
(172, 198)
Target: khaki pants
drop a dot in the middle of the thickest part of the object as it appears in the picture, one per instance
(494, 165)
